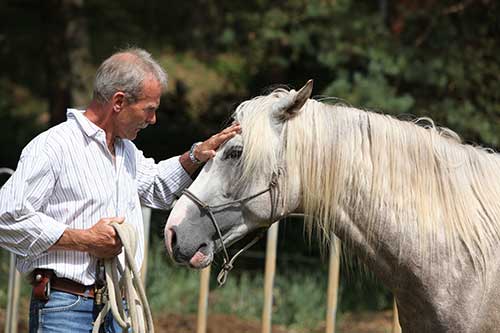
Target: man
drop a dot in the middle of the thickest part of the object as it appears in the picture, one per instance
(73, 180)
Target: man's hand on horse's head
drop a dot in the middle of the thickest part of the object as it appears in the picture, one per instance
(207, 149)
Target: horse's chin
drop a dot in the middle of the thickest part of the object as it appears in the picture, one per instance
(201, 260)
(203, 256)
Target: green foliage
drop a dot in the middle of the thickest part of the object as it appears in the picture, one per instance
(4, 277)
(241, 295)
(25, 288)
(300, 299)
(441, 62)
(21, 118)
(169, 288)
(374, 92)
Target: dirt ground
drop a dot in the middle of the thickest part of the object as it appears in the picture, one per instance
(376, 322)
(379, 322)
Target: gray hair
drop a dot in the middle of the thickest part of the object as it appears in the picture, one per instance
(126, 71)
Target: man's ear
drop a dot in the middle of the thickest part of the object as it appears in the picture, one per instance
(289, 106)
(118, 101)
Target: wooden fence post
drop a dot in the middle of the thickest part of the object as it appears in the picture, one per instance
(13, 297)
(146, 218)
(333, 284)
(272, 241)
(201, 326)
(396, 328)
(14, 285)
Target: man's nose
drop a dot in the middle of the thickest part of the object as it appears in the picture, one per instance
(152, 118)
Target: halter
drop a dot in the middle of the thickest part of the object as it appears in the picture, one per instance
(228, 262)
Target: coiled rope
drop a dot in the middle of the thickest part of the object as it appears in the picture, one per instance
(138, 315)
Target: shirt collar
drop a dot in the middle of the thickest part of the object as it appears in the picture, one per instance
(87, 126)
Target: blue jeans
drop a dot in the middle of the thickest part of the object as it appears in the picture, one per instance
(64, 313)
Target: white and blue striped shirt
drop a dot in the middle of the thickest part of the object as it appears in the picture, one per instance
(66, 178)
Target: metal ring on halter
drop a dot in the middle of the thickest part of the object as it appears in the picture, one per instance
(228, 262)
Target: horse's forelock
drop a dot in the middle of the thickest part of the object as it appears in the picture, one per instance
(261, 145)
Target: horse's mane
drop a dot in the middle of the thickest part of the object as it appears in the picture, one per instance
(373, 164)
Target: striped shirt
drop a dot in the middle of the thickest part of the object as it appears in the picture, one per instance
(67, 178)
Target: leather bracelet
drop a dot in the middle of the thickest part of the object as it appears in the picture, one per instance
(192, 157)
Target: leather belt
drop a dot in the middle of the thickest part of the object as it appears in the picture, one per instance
(44, 280)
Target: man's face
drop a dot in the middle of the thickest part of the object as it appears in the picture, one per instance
(138, 115)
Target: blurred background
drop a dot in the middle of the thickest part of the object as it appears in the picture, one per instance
(408, 58)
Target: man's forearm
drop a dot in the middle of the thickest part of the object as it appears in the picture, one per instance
(100, 240)
(187, 164)
(72, 239)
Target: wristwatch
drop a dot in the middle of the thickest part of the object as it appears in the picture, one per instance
(191, 153)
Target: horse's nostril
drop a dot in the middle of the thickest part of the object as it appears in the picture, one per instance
(174, 247)
(173, 240)
(203, 248)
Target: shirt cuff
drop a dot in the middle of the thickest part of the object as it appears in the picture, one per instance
(172, 170)
(48, 236)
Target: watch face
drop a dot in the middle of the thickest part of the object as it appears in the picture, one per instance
(191, 153)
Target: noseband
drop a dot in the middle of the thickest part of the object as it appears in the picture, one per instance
(228, 262)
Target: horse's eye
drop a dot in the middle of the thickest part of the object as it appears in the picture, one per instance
(233, 153)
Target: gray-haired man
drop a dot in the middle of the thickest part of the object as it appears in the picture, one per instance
(76, 178)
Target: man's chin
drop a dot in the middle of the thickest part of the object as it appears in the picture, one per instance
(133, 135)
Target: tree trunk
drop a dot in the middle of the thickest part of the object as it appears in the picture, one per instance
(65, 55)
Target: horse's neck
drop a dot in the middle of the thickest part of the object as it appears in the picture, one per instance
(379, 248)
(396, 259)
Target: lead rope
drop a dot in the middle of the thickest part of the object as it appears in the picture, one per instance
(138, 315)
(228, 263)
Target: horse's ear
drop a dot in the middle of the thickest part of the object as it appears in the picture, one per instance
(289, 106)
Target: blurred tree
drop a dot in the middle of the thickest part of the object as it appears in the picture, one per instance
(427, 58)
(65, 54)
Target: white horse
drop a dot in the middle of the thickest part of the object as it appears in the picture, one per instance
(418, 207)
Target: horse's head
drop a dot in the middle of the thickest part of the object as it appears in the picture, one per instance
(244, 185)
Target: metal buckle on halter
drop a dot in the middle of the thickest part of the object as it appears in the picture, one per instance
(227, 266)
(100, 284)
